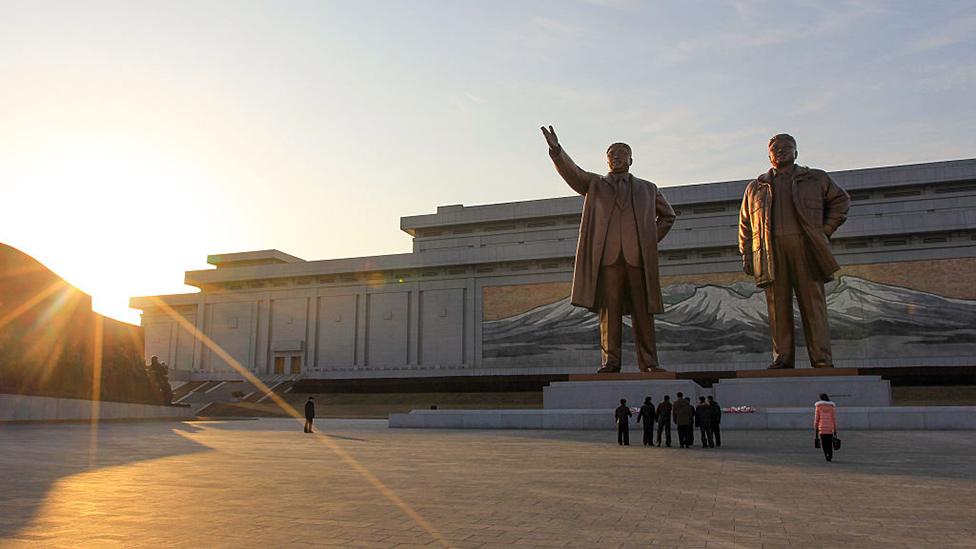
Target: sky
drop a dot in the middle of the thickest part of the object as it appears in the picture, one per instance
(138, 137)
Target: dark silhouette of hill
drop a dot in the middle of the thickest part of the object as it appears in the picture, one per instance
(48, 338)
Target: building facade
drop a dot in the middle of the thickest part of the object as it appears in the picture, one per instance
(485, 291)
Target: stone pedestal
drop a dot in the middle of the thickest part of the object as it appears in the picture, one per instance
(780, 390)
(798, 372)
(622, 376)
(597, 394)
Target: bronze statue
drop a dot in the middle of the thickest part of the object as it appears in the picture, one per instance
(158, 374)
(616, 257)
(785, 223)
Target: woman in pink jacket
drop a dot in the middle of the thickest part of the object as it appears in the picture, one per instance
(825, 424)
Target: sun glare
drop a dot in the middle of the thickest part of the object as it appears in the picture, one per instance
(107, 215)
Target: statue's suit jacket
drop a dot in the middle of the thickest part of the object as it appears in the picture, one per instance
(822, 207)
(653, 216)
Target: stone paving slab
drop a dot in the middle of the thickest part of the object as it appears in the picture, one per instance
(265, 484)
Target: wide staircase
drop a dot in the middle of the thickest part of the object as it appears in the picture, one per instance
(275, 384)
(207, 396)
(180, 392)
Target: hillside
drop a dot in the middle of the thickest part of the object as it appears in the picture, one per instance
(47, 338)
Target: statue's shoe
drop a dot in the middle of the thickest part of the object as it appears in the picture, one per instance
(609, 370)
(779, 366)
(822, 365)
(653, 370)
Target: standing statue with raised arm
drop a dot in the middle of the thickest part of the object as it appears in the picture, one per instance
(785, 222)
(616, 270)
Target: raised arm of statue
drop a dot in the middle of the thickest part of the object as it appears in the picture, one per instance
(551, 139)
(575, 176)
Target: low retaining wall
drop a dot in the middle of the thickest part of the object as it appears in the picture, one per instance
(763, 391)
(855, 418)
(39, 408)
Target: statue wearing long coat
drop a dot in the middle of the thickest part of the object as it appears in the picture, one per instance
(822, 207)
(653, 216)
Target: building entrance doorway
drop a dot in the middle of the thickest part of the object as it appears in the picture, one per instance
(292, 363)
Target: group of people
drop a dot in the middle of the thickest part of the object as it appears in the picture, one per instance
(707, 416)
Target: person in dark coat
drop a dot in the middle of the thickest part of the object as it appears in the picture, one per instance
(716, 421)
(648, 415)
(690, 433)
(684, 418)
(309, 414)
(622, 415)
(703, 418)
(664, 420)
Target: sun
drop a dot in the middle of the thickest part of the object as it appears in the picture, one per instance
(109, 215)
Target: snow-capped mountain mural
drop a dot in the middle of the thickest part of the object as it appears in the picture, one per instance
(714, 327)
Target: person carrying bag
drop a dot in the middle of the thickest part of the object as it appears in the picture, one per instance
(825, 426)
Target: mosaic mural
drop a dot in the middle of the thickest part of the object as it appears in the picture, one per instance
(723, 325)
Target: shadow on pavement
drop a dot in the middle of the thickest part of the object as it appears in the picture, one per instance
(35, 457)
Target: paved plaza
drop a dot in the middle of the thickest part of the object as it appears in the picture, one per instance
(263, 483)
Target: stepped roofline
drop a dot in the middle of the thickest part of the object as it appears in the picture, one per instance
(258, 257)
(545, 230)
(696, 193)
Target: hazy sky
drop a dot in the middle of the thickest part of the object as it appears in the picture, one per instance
(138, 137)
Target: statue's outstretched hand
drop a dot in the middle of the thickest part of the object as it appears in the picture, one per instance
(551, 138)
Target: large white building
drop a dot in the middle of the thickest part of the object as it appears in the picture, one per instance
(484, 291)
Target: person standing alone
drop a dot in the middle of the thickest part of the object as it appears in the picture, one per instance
(647, 414)
(825, 424)
(622, 415)
(309, 414)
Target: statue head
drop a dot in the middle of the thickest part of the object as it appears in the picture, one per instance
(154, 360)
(619, 157)
(782, 151)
